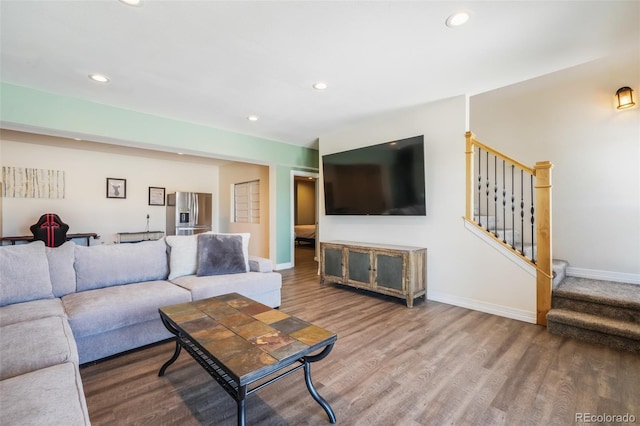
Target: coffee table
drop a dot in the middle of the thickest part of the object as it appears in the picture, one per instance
(245, 345)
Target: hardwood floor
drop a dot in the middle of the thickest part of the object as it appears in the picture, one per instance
(434, 364)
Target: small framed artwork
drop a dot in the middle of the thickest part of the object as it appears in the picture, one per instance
(156, 196)
(116, 188)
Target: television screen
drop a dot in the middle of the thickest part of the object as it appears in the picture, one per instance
(384, 179)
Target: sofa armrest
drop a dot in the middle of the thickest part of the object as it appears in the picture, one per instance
(260, 264)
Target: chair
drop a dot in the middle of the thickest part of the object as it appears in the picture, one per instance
(50, 229)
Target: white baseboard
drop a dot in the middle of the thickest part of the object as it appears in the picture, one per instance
(280, 266)
(489, 308)
(595, 274)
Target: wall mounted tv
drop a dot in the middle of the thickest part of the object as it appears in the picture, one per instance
(384, 179)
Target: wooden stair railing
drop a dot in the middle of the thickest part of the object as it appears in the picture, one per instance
(538, 251)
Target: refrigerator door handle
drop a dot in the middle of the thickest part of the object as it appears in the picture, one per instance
(196, 220)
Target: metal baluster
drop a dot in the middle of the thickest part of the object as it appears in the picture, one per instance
(495, 193)
(487, 191)
(513, 210)
(479, 182)
(522, 211)
(504, 205)
(533, 253)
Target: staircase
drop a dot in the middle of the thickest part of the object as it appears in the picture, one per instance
(511, 204)
(596, 311)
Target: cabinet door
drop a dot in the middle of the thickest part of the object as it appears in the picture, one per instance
(390, 269)
(359, 267)
(332, 264)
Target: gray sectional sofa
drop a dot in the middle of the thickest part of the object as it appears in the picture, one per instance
(66, 306)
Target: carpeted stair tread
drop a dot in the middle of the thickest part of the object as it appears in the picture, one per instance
(583, 320)
(595, 336)
(603, 292)
(605, 310)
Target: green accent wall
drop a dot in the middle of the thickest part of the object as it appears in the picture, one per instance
(23, 108)
(45, 111)
(283, 215)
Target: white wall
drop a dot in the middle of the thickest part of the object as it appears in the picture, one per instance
(569, 118)
(86, 208)
(461, 269)
(238, 173)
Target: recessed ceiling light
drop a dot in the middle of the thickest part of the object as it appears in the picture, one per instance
(252, 118)
(100, 78)
(321, 85)
(132, 2)
(457, 19)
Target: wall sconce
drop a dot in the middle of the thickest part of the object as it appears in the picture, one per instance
(624, 96)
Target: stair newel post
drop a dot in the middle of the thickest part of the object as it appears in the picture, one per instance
(544, 274)
(469, 184)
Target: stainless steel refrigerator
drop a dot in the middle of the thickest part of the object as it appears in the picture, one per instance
(188, 213)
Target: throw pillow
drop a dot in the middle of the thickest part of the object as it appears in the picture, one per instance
(183, 259)
(24, 273)
(183, 253)
(220, 254)
(245, 245)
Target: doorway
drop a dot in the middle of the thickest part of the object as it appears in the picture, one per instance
(304, 215)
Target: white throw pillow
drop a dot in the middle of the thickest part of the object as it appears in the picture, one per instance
(184, 253)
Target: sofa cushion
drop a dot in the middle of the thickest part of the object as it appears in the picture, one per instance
(61, 272)
(116, 264)
(24, 273)
(220, 254)
(32, 310)
(97, 346)
(97, 311)
(52, 395)
(247, 284)
(183, 259)
(32, 345)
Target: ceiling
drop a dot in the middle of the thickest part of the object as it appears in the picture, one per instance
(217, 62)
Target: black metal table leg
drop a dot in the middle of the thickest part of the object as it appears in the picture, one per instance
(173, 359)
(312, 390)
(242, 394)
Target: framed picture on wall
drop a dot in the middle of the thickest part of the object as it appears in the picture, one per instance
(156, 196)
(116, 188)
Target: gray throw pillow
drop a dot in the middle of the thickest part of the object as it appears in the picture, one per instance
(220, 254)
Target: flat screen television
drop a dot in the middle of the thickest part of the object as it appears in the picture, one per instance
(384, 179)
